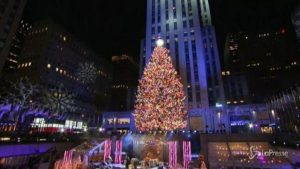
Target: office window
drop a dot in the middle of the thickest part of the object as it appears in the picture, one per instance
(184, 24)
(189, 5)
(191, 23)
(177, 51)
(174, 9)
(190, 95)
(153, 11)
(183, 8)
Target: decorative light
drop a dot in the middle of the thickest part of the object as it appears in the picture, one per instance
(273, 113)
(186, 153)
(219, 105)
(219, 115)
(250, 125)
(87, 72)
(118, 152)
(107, 149)
(172, 154)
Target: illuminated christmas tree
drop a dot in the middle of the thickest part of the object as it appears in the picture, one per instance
(160, 102)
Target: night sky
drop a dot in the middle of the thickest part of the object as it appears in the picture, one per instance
(115, 27)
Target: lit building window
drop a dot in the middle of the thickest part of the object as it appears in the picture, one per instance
(26, 64)
(228, 72)
(29, 64)
(49, 66)
(64, 38)
(57, 69)
(12, 60)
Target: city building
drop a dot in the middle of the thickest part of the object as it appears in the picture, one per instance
(124, 83)
(268, 62)
(296, 20)
(186, 28)
(235, 83)
(10, 13)
(54, 59)
(11, 63)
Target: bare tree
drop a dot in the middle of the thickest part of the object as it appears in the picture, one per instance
(21, 95)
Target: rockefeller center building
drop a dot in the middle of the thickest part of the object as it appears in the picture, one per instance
(54, 59)
(186, 28)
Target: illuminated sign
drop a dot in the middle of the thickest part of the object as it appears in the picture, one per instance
(239, 123)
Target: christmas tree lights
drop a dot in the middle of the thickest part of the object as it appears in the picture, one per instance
(160, 102)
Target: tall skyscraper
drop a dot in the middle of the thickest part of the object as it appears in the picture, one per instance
(124, 83)
(10, 14)
(185, 26)
(269, 61)
(13, 56)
